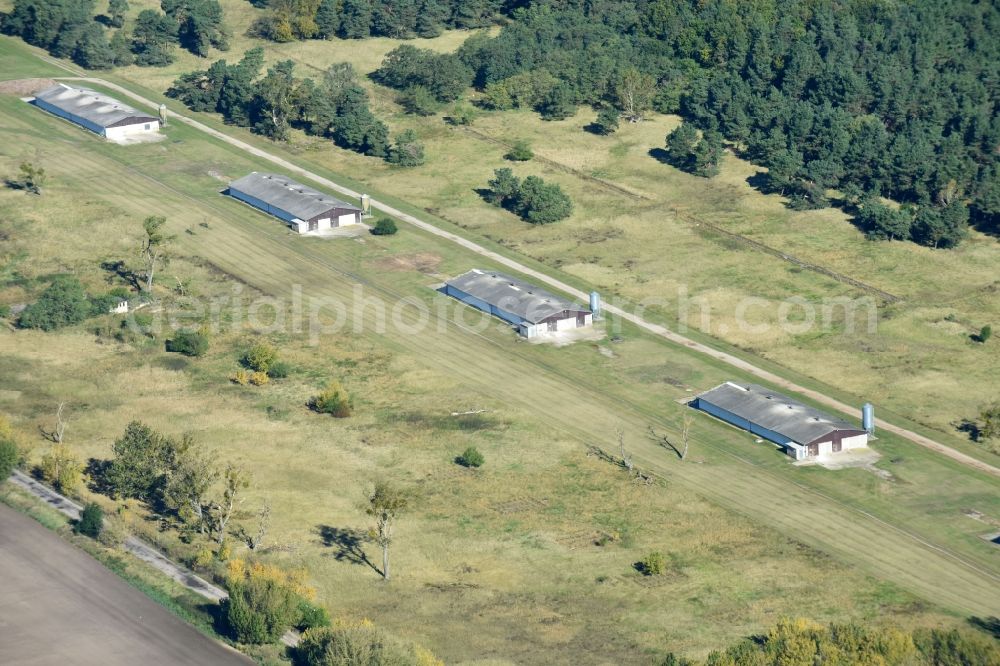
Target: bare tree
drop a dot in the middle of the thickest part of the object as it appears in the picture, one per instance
(254, 541)
(686, 424)
(60, 430)
(234, 480)
(664, 440)
(183, 286)
(385, 503)
(154, 245)
(626, 459)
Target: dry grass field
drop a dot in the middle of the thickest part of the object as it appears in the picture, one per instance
(499, 564)
(921, 362)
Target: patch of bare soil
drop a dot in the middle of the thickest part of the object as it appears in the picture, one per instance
(23, 87)
(423, 262)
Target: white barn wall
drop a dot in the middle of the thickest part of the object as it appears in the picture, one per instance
(855, 442)
(132, 130)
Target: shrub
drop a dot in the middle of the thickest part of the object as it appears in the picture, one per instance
(520, 152)
(356, 645)
(263, 601)
(989, 421)
(461, 115)
(4, 310)
(653, 564)
(333, 400)
(203, 558)
(63, 303)
(101, 305)
(91, 521)
(406, 151)
(30, 178)
(419, 100)
(607, 121)
(985, 333)
(114, 532)
(278, 370)
(539, 202)
(60, 469)
(13, 453)
(258, 378)
(189, 343)
(242, 377)
(384, 227)
(260, 357)
(10, 456)
(259, 610)
(311, 616)
(471, 457)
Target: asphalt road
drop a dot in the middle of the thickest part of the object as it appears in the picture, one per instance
(59, 606)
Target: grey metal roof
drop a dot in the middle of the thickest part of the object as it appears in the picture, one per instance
(512, 295)
(93, 106)
(760, 405)
(282, 192)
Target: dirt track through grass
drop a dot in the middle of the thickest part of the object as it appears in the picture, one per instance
(265, 256)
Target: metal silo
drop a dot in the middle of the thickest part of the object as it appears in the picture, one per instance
(868, 418)
(595, 303)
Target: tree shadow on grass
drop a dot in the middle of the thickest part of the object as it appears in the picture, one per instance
(97, 471)
(348, 544)
(760, 182)
(990, 625)
(970, 428)
(598, 130)
(121, 271)
(660, 155)
(483, 193)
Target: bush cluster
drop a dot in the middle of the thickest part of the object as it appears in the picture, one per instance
(91, 521)
(189, 343)
(333, 400)
(532, 199)
(384, 227)
(471, 457)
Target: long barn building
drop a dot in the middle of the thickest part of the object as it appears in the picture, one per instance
(302, 208)
(802, 431)
(532, 311)
(96, 112)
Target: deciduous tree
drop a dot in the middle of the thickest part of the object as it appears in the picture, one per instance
(117, 9)
(234, 481)
(634, 93)
(139, 462)
(385, 503)
(406, 151)
(154, 245)
(60, 468)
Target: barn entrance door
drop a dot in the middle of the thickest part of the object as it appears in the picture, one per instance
(837, 445)
(581, 319)
(313, 225)
(553, 326)
(814, 449)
